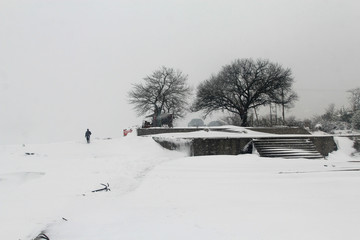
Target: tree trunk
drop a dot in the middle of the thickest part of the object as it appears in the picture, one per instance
(270, 116)
(256, 116)
(244, 119)
(283, 105)
(283, 113)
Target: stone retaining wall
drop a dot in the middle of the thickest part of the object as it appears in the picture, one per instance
(153, 131)
(324, 144)
(280, 130)
(235, 146)
(220, 146)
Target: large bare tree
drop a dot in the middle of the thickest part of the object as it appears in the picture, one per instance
(355, 99)
(242, 85)
(164, 91)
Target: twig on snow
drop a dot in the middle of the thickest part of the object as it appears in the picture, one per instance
(105, 188)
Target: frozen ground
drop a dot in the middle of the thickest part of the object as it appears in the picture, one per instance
(161, 194)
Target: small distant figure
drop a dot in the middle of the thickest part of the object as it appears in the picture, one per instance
(87, 135)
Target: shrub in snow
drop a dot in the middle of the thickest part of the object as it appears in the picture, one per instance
(215, 123)
(196, 122)
(318, 126)
(330, 126)
(357, 144)
(232, 119)
(293, 122)
(325, 126)
(356, 120)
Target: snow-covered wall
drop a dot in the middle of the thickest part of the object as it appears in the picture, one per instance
(152, 131)
(280, 130)
(270, 130)
(200, 146)
(324, 144)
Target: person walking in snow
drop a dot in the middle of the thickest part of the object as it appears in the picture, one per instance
(87, 135)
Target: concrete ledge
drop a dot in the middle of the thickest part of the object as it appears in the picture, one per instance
(270, 130)
(153, 131)
(234, 146)
(280, 130)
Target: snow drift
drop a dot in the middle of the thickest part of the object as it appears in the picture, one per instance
(161, 194)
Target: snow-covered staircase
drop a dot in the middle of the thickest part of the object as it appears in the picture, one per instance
(286, 148)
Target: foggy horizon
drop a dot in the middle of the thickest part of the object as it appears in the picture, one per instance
(66, 66)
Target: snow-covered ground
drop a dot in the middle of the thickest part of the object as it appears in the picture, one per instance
(161, 194)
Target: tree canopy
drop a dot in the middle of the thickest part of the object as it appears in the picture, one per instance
(164, 91)
(245, 84)
(355, 99)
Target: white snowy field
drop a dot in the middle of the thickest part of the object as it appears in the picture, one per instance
(161, 194)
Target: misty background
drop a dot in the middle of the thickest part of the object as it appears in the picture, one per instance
(67, 65)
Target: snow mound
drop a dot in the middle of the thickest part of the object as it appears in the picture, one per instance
(154, 193)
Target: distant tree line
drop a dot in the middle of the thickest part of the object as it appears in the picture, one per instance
(342, 118)
(335, 119)
(241, 86)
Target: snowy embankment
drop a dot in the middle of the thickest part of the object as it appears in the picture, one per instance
(161, 194)
(40, 183)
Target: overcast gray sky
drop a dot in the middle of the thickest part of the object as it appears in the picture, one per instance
(67, 65)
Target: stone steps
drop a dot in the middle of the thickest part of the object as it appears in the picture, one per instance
(286, 148)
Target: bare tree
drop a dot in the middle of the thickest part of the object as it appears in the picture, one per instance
(285, 97)
(355, 99)
(330, 113)
(241, 86)
(164, 91)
